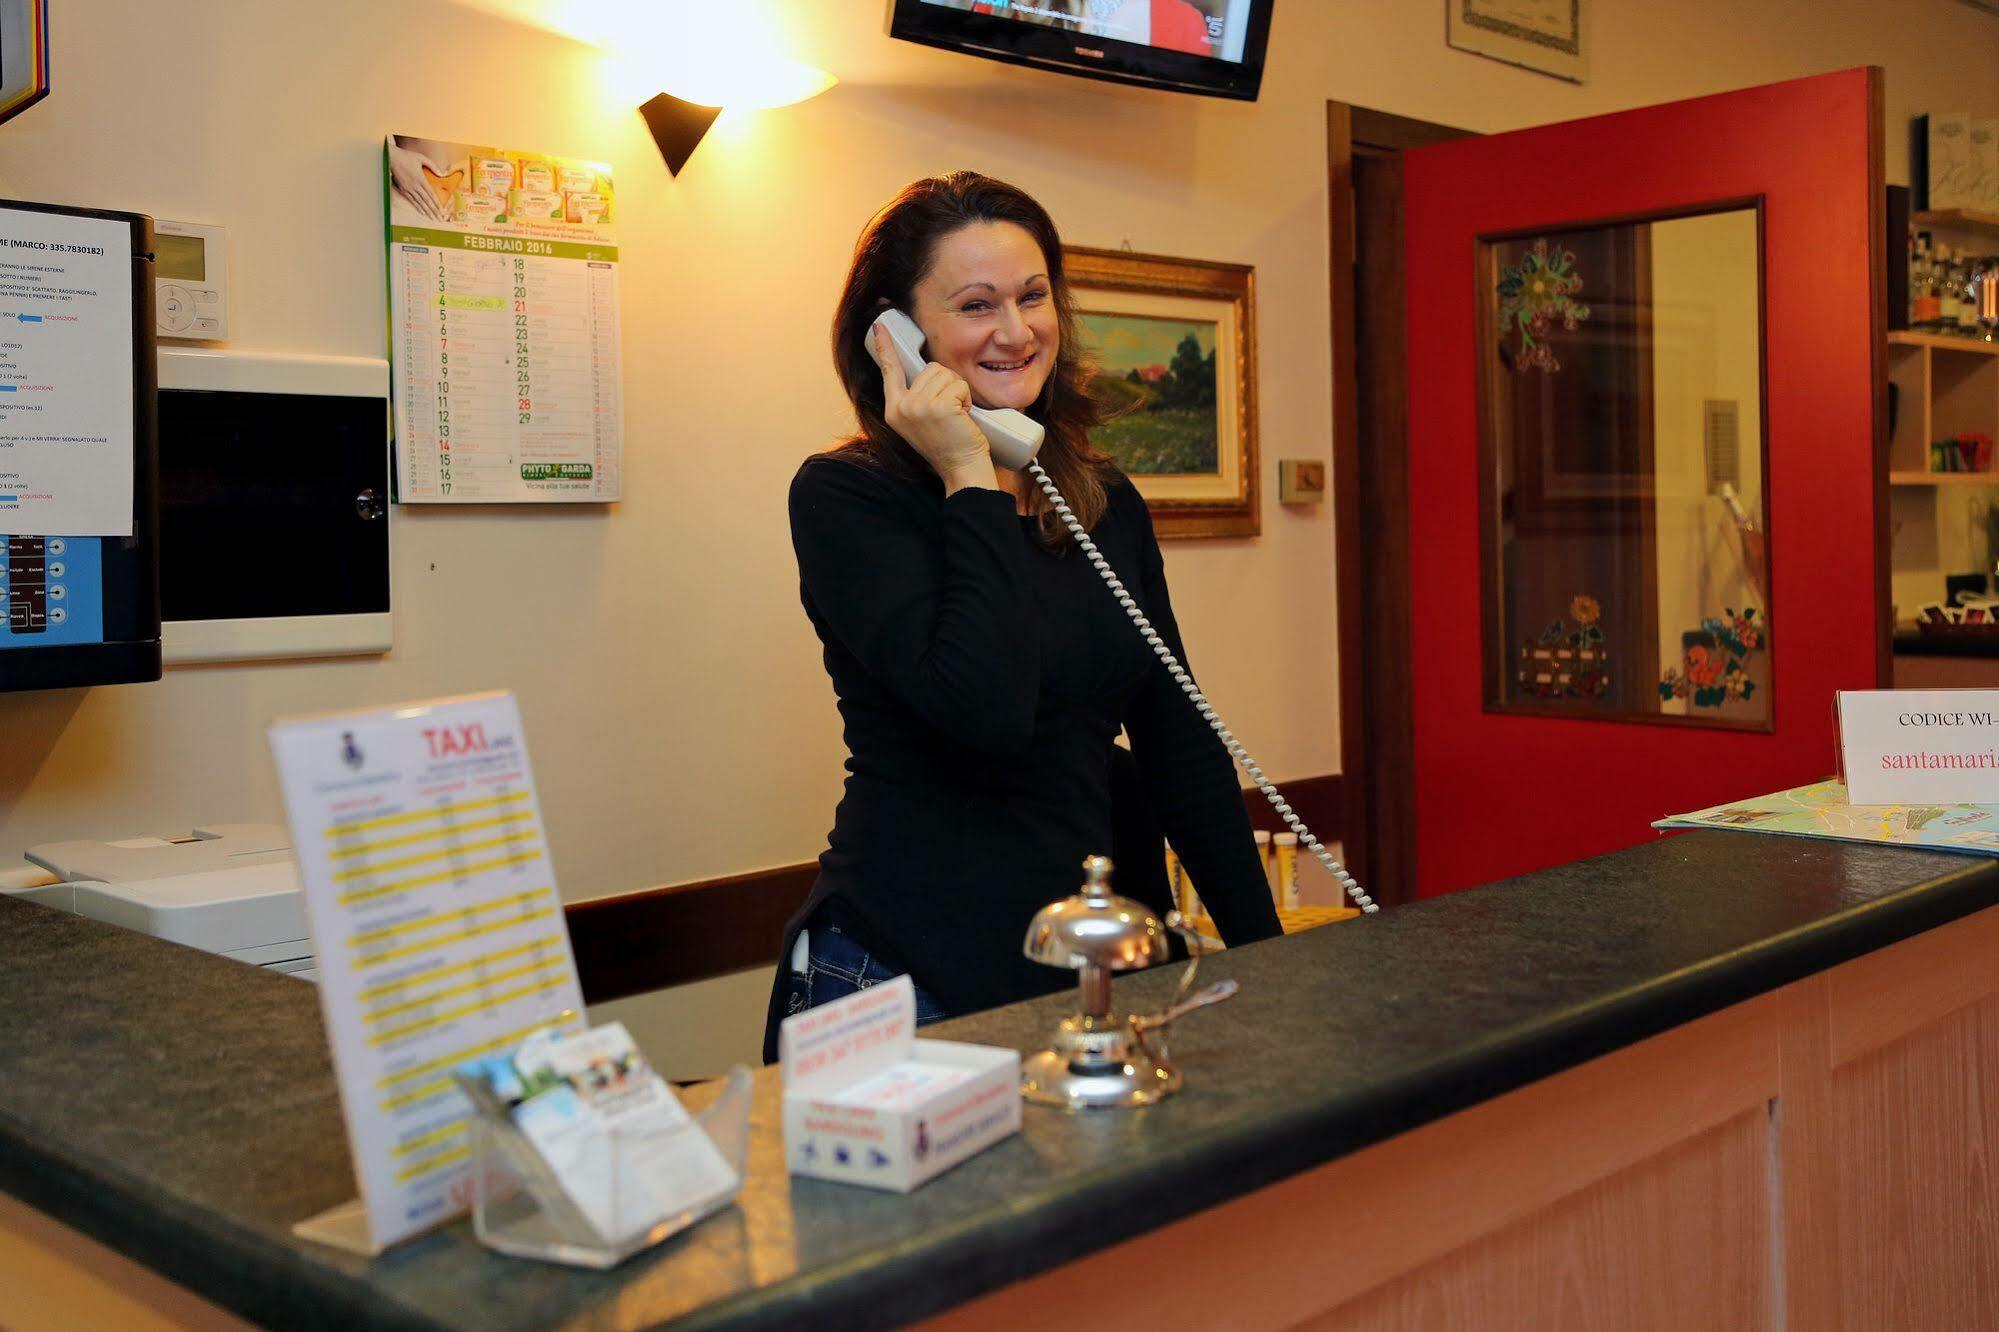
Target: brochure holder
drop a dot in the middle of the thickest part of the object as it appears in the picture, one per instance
(520, 1207)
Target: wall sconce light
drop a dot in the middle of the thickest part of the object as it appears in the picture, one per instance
(677, 127)
(679, 122)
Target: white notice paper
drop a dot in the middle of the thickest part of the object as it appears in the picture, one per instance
(436, 922)
(1920, 746)
(65, 375)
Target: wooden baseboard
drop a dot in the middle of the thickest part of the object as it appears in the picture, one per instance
(1319, 801)
(656, 937)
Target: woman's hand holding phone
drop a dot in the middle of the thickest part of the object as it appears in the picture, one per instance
(933, 414)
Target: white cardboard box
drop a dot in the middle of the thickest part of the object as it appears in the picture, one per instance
(866, 1102)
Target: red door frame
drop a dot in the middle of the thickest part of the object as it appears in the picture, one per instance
(1497, 794)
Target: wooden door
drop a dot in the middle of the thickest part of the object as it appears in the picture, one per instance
(1364, 150)
(1646, 466)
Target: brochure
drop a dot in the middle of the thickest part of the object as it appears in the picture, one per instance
(605, 1128)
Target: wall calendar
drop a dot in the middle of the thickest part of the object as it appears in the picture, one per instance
(503, 320)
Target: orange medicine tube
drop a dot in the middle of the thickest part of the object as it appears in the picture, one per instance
(1263, 858)
(1285, 846)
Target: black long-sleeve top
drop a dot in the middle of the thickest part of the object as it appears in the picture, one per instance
(982, 678)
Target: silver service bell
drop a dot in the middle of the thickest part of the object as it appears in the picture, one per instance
(1101, 1061)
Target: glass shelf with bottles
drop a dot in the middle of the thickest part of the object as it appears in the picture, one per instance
(1953, 291)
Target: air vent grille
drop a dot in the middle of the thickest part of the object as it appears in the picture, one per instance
(1721, 434)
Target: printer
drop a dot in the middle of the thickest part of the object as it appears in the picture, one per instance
(228, 888)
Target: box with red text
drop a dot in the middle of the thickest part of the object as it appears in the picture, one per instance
(866, 1102)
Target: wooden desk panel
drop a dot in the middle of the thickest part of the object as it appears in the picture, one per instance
(1825, 1156)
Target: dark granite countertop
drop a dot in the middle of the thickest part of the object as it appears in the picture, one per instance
(180, 1107)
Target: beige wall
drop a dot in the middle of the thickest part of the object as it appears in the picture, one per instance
(680, 723)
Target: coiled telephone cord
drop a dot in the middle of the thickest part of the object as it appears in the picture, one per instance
(1193, 691)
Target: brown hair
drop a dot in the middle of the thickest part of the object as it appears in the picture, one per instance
(892, 255)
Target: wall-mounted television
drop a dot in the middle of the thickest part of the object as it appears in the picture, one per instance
(1211, 47)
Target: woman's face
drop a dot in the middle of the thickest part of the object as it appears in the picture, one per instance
(987, 311)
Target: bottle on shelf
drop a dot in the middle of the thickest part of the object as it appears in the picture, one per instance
(1950, 291)
(1988, 299)
(1968, 283)
(1924, 311)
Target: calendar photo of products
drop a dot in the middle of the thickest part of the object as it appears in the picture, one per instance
(503, 315)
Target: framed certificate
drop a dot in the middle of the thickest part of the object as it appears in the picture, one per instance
(1544, 35)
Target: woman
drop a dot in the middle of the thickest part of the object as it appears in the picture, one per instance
(982, 668)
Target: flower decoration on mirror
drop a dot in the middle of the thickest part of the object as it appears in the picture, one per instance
(1533, 295)
(1568, 661)
(1714, 664)
(1739, 634)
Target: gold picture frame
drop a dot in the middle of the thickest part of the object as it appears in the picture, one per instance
(1174, 341)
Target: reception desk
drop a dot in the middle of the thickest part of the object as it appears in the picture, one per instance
(1719, 1080)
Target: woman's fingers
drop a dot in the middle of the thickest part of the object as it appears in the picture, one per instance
(938, 385)
(893, 383)
(930, 411)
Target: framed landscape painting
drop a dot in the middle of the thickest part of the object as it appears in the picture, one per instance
(1174, 342)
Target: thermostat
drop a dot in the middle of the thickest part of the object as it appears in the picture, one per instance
(190, 282)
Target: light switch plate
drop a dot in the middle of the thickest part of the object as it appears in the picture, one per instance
(1300, 480)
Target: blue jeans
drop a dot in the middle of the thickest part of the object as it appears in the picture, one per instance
(836, 966)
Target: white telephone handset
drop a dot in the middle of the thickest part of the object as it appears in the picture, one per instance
(1012, 436)
(1014, 439)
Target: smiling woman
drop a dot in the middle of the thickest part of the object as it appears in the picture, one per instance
(981, 668)
(987, 311)
(979, 267)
